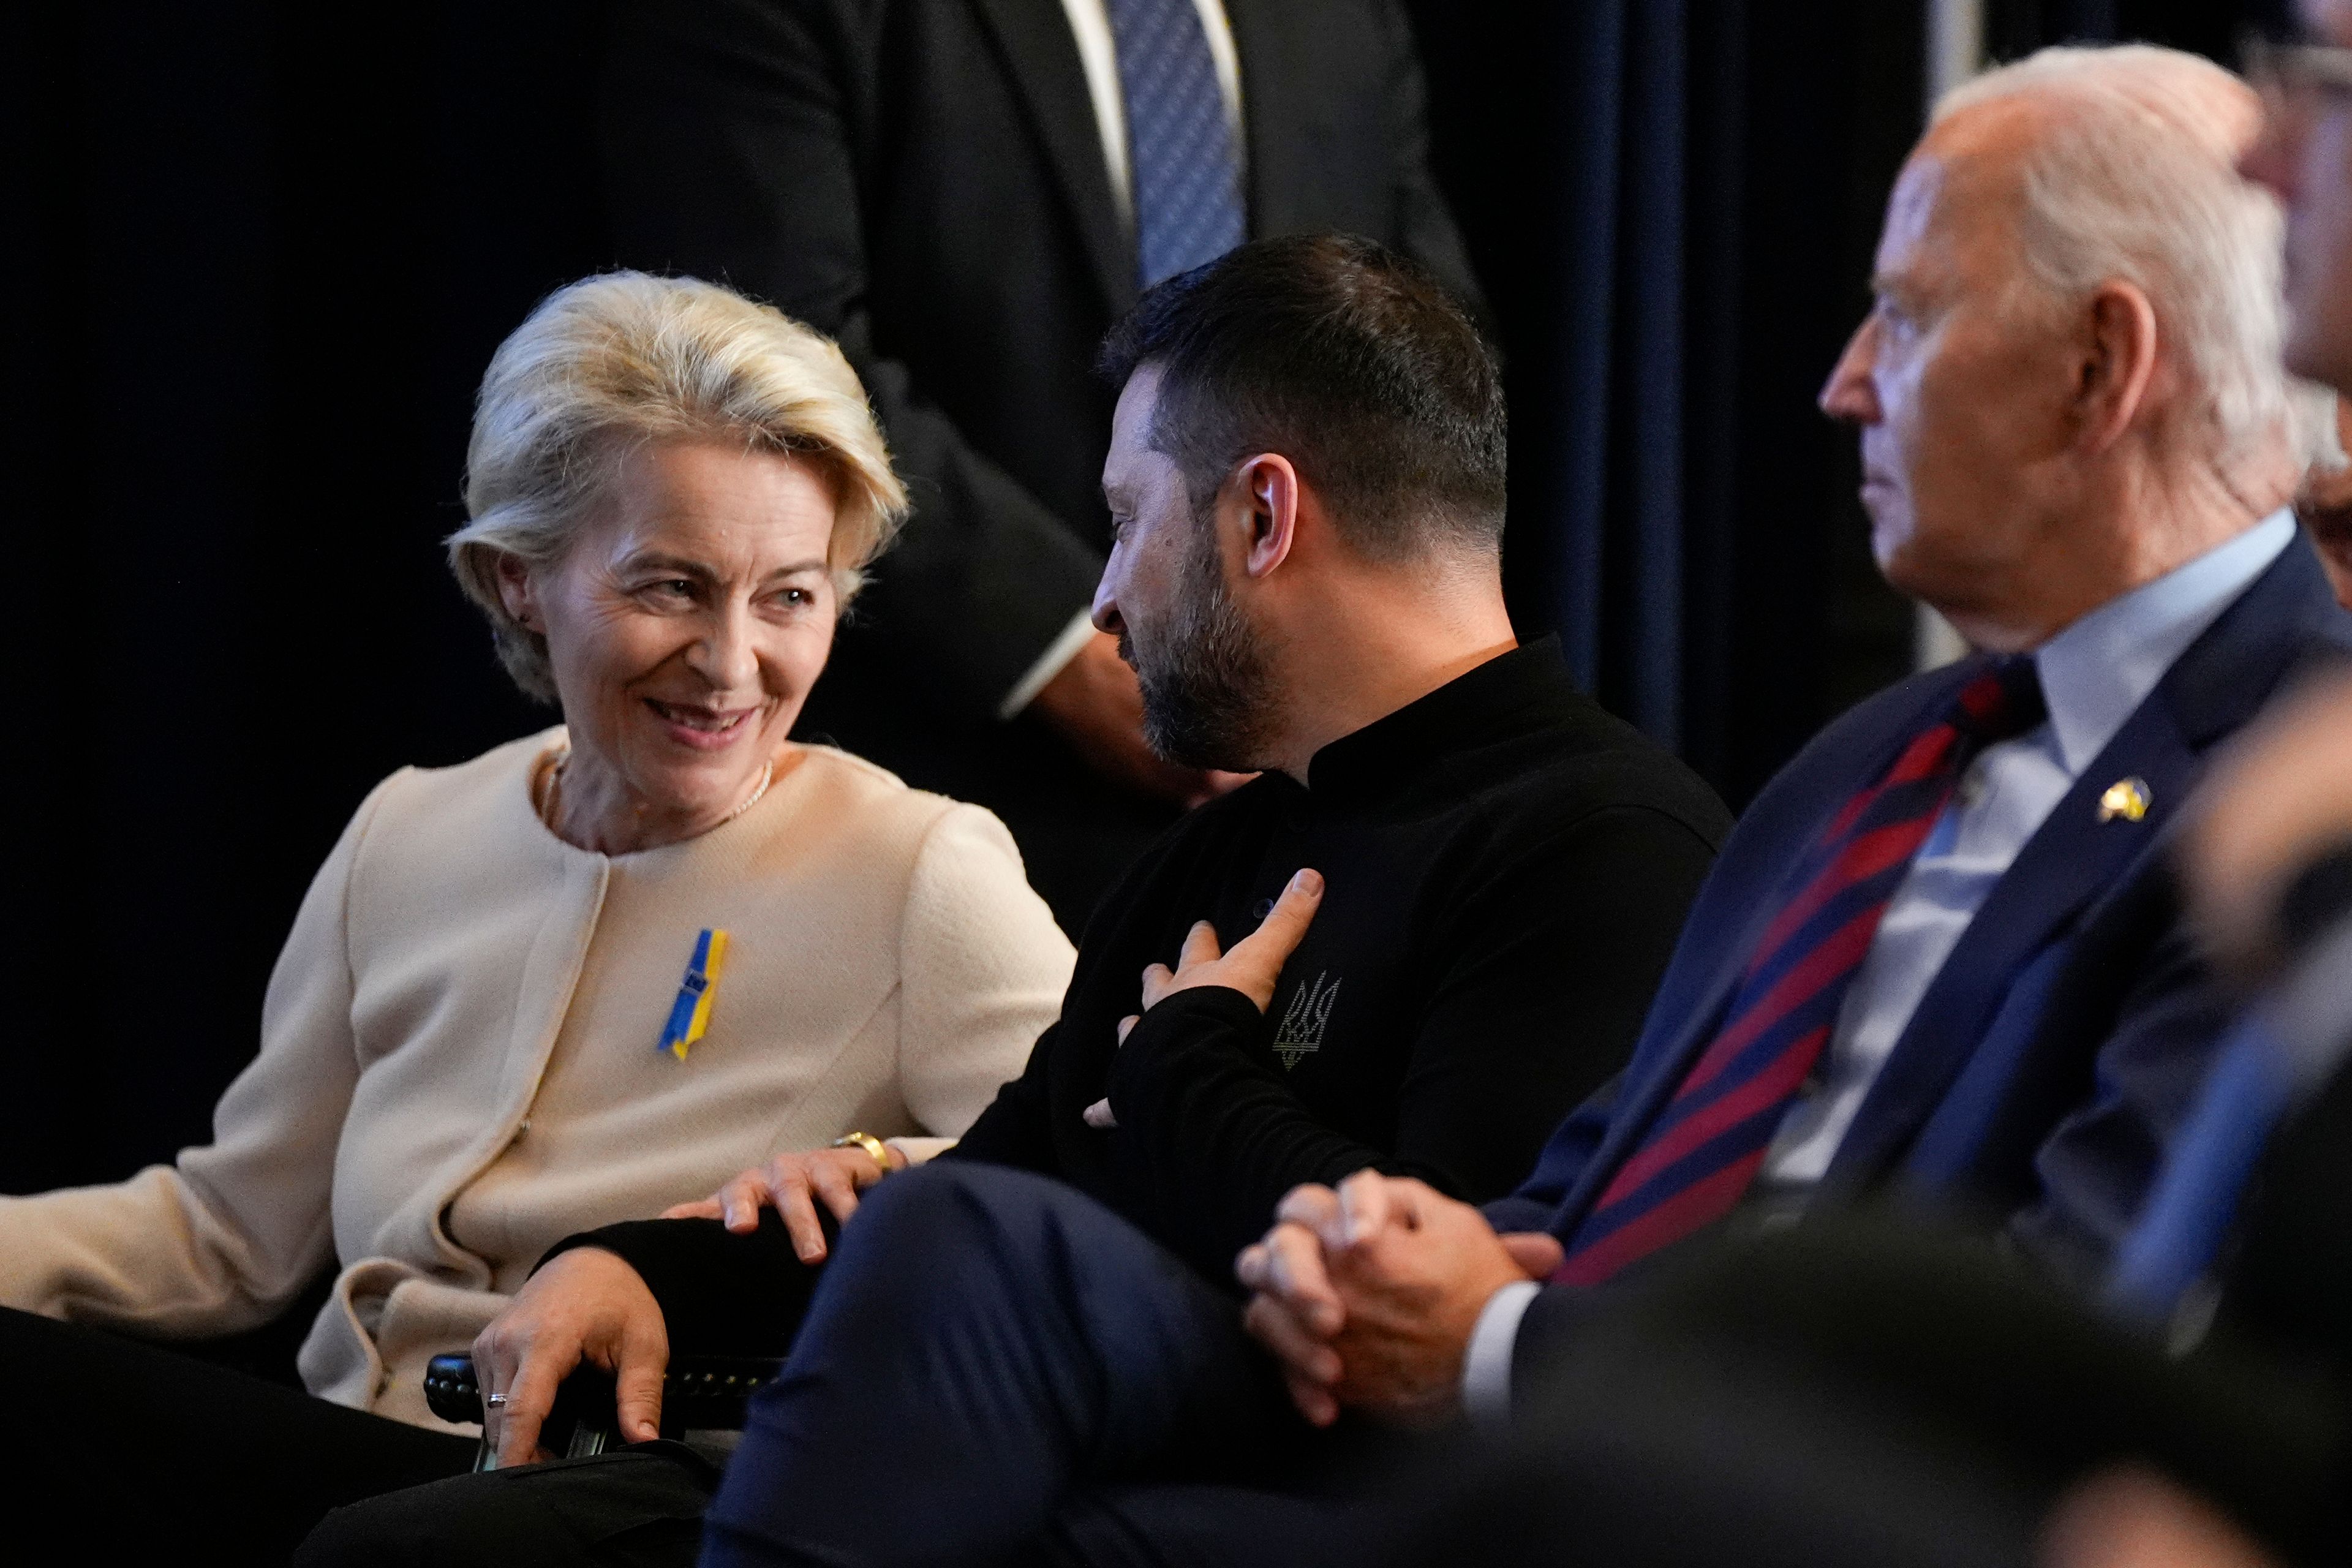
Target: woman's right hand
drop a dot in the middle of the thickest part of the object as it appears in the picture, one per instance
(792, 1185)
(586, 1305)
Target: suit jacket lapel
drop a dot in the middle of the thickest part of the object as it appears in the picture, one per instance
(2074, 858)
(2071, 860)
(1043, 59)
(1651, 1080)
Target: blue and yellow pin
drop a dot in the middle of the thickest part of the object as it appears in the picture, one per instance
(690, 1016)
(2126, 798)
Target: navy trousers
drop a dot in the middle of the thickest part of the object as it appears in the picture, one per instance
(994, 1367)
(997, 1370)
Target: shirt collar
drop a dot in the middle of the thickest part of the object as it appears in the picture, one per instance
(1471, 707)
(2097, 670)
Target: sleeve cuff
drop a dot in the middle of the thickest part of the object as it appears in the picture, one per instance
(1487, 1370)
(719, 1293)
(1179, 1023)
(916, 1151)
(1058, 653)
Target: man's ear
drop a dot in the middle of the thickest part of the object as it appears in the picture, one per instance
(519, 593)
(1267, 489)
(2118, 368)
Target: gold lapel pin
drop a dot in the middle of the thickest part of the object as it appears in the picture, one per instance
(2126, 798)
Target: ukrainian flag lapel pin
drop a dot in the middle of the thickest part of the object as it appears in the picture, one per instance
(2126, 798)
(690, 1016)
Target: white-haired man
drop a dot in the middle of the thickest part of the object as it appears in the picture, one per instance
(1861, 1398)
(1936, 955)
(2077, 446)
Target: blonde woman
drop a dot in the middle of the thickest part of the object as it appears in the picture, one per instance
(582, 978)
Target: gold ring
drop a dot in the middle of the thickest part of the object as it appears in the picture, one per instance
(871, 1144)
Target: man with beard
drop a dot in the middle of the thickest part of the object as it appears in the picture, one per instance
(1307, 478)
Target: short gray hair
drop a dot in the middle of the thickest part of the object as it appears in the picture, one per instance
(2135, 178)
(623, 358)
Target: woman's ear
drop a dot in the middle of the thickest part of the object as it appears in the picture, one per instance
(519, 593)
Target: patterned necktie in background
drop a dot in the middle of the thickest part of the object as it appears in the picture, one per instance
(1179, 145)
(1696, 1161)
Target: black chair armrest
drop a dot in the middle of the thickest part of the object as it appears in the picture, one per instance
(699, 1394)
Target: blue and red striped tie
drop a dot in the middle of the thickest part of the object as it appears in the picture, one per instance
(1696, 1161)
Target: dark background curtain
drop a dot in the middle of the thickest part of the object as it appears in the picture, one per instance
(2212, 27)
(1672, 204)
(258, 256)
(1712, 175)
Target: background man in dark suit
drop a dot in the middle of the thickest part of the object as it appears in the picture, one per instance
(1936, 954)
(967, 194)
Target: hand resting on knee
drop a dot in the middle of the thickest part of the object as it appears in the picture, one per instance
(791, 1183)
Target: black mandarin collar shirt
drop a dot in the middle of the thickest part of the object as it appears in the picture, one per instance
(1523, 689)
(1505, 872)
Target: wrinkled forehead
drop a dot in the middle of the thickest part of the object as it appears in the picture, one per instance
(1130, 459)
(1138, 400)
(1911, 209)
(1959, 191)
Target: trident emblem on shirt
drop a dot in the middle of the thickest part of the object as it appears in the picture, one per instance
(1302, 1025)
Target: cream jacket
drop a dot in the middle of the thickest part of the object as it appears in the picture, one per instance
(458, 1059)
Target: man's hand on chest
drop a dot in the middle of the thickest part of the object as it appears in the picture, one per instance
(1253, 966)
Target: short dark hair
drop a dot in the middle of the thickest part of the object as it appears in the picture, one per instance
(1350, 360)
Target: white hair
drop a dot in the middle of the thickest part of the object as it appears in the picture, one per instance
(2134, 177)
(623, 358)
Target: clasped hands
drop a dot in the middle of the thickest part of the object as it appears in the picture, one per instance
(1367, 1295)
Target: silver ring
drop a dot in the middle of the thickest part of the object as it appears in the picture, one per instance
(495, 1401)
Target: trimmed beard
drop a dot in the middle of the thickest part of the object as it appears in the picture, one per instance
(1206, 702)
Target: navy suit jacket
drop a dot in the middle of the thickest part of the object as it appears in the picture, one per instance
(2058, 1049)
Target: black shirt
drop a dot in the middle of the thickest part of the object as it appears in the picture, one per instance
(1506, 870)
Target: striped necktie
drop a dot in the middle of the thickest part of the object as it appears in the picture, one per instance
(1179, 145)
(1696, 1161)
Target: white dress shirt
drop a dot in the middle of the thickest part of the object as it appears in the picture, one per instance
(2094, 675)
(1090, 25)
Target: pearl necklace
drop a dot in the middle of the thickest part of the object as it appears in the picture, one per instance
(550, 794)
